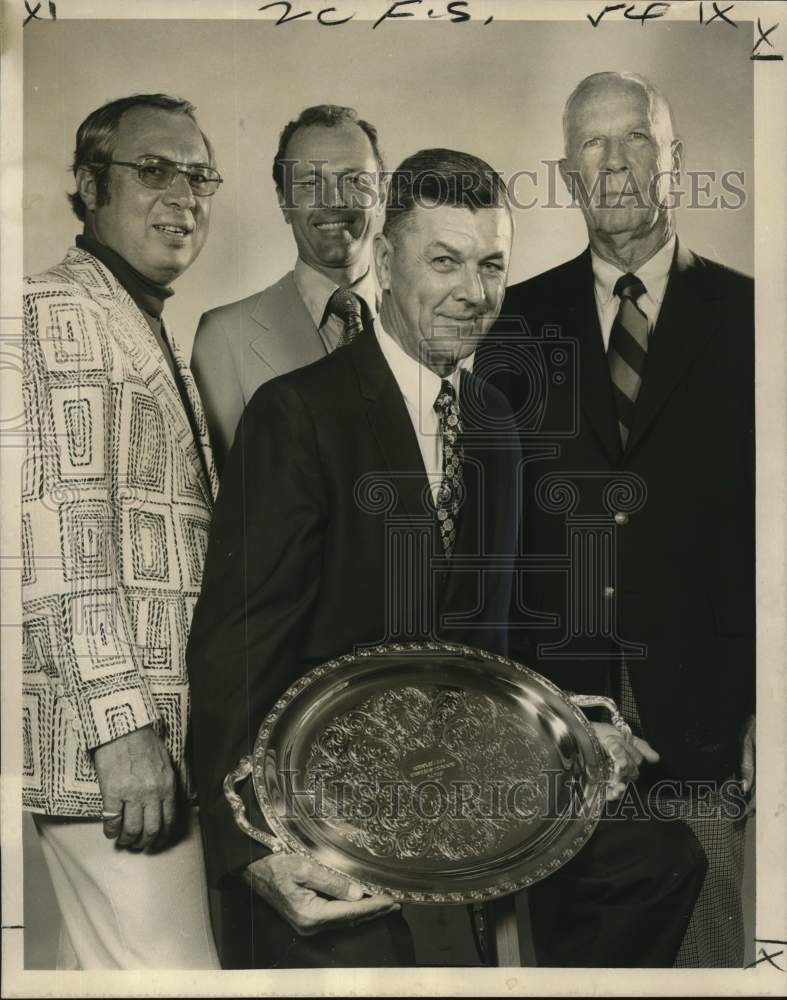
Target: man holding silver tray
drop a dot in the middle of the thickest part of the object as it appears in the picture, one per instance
(357, 494)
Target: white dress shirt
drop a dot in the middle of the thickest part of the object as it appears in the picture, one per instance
(315, 290)
(420, 387)
(653, 274)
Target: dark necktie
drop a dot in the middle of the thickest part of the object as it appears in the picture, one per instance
(450, 494)
(628, 351)
(347, 306)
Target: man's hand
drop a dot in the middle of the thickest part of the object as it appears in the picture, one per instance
(749, 757)
(288, 883)
(138, 788)
(626, 757)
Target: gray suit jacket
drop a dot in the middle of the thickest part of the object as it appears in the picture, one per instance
(241, 345)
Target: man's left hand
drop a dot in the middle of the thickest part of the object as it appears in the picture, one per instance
(626, 757)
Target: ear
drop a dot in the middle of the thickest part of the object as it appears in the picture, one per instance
(87, 187)
(383, 251)
(285, 210)
(382, 192)
(678, 158)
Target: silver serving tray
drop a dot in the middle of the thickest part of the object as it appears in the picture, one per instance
(431, 772)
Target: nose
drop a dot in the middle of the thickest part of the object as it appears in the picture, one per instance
(615, 155)
(332, 190)
(471, 287)
(179, 193)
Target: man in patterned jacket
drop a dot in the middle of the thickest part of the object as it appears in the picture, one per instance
(116, 500)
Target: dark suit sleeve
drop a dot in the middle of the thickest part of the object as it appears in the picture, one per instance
(260, 582)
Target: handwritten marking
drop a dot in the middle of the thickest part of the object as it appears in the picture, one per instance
(630, 13)
(285, 17)
(455, 10)
(721, 14)
(767, 57)
(766, 956)
(32, 15)
(393, 11)
(607, 10)
(330, 24)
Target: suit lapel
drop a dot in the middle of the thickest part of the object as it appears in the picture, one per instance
(162, 384)
(203, 441)
(285, 336)
(391, 425)
(144, 352)
(578, 297)
(681, 332)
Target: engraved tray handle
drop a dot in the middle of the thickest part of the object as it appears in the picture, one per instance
(599, 701)
(233, 779)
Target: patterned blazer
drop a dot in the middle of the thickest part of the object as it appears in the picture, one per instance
(116, 504)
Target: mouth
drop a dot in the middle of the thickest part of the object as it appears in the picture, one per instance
(173, 230)
(335, 224)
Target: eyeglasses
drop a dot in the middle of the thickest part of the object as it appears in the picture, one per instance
(160, 173)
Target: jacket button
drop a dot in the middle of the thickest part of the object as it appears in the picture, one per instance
(609, 592)
(621, 517)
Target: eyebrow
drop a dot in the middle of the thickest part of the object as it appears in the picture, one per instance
(440, 244)
(185, 163)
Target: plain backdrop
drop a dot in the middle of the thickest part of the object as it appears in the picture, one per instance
(495, 91)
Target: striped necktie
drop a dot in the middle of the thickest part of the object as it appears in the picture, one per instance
(628, 351)
(451, 491)
(347, 306)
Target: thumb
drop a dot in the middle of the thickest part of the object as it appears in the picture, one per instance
(330, 883)
(647, 751)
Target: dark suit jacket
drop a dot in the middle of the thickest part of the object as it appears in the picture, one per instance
(680, 555)
(297, 562)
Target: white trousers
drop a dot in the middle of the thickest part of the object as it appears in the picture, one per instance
(122, 910)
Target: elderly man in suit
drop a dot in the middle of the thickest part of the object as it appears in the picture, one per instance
(328, 176)
(117, 499)
(296, 571)
(662, 457)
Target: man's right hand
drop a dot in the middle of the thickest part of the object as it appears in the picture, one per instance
(137, 785)
(290, 883)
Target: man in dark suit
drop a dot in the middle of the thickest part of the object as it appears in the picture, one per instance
(656, 514)
(297, 560)
(328, 176)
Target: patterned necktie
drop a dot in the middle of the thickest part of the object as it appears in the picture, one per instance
(628, 351)
(347, 306)
(450, 493)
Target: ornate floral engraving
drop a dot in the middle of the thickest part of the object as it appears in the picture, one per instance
(427, 772)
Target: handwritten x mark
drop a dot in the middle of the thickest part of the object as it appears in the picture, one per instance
(32, 15)
(768, 956)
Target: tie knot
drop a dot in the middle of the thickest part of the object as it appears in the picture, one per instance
(345, 304)
(629, 286)
(446, 398)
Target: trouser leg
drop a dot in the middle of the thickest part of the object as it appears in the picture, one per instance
(624, 901)
(124, 910)
(254, 936)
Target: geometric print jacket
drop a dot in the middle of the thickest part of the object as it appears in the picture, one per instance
(115, 516)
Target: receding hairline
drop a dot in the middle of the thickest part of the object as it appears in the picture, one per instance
(146, 110)
(346, 123)
(657, 102)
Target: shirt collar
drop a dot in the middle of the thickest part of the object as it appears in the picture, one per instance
(315, 290)
(148, 296)
(419, 385)
(653, 274)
